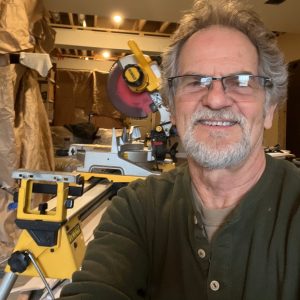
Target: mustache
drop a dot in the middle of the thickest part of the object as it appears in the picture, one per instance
(221, 114)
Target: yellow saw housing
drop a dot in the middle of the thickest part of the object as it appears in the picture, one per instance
(140, 77)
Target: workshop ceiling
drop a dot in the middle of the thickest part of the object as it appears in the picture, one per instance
(154, 21)
(72, 24)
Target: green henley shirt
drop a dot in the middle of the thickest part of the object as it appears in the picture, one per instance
(150, 244)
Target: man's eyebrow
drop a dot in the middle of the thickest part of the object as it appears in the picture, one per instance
(240, 73)
(194, 74)
(206, 75)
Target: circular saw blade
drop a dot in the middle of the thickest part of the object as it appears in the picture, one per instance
(134, 105)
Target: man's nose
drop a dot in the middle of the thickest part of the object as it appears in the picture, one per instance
(216, 97)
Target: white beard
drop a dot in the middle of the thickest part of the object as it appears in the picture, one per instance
(216, 156)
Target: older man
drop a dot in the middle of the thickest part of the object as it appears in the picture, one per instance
(227, 224)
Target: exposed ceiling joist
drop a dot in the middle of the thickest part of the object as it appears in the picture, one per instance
(95, 20)
(141, 25)
(155, 10)
(163, 26)
(71, 19)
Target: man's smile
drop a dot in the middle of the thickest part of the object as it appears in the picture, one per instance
(218, 123)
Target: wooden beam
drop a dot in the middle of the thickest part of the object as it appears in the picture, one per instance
(81, 64)
(141, 24)
(95, 40)
(95, 20)
(71, 19)
(163, 26)
(135, 25)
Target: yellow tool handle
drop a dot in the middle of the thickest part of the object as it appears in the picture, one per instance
(111, 177)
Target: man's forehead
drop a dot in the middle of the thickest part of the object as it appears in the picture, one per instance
(218, 46)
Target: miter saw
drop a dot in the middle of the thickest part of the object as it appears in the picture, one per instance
(133, 85)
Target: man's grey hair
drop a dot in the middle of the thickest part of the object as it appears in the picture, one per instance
(234, 14)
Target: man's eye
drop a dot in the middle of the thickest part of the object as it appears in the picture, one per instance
(243, 80)
(198, 82)
(242, 83)
(190, 82)
(237, 82)
(195, 82)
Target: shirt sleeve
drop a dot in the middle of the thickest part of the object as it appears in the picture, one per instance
(116, 261)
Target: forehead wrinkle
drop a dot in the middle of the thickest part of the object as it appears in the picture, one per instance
(239, 55)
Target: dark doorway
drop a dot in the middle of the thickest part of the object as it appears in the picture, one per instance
(293, 109)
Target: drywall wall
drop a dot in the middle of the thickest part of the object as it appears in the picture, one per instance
(289, 43)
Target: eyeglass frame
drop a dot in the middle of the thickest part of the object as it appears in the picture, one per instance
(267, 81)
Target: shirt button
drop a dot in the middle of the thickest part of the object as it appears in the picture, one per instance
(214, 285)
(201, 253)
(195, 220)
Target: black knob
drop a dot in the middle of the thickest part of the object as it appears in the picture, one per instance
(19, 262)
(69, 203)
(43, 207)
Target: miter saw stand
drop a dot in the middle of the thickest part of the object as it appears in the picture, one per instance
(51, 244)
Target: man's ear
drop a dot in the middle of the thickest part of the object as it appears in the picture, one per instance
(269, 116)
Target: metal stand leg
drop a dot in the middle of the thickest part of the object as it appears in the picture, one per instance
(18, 262)
(33, 260)
(7, 284)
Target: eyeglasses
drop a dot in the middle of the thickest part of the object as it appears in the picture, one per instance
(238, 84)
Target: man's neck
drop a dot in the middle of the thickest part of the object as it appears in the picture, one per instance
(221, 188)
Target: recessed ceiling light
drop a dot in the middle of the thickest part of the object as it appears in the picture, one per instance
(117, 19)
(106, 54)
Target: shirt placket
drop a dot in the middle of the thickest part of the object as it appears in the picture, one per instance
(214, 259)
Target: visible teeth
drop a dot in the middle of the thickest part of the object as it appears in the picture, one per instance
(218, 123)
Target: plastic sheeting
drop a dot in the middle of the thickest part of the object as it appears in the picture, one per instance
(8, 155)
(80, 94)
(23, 25)
(74, 97)
(102, 106)
(25, 139)
(34, 142)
